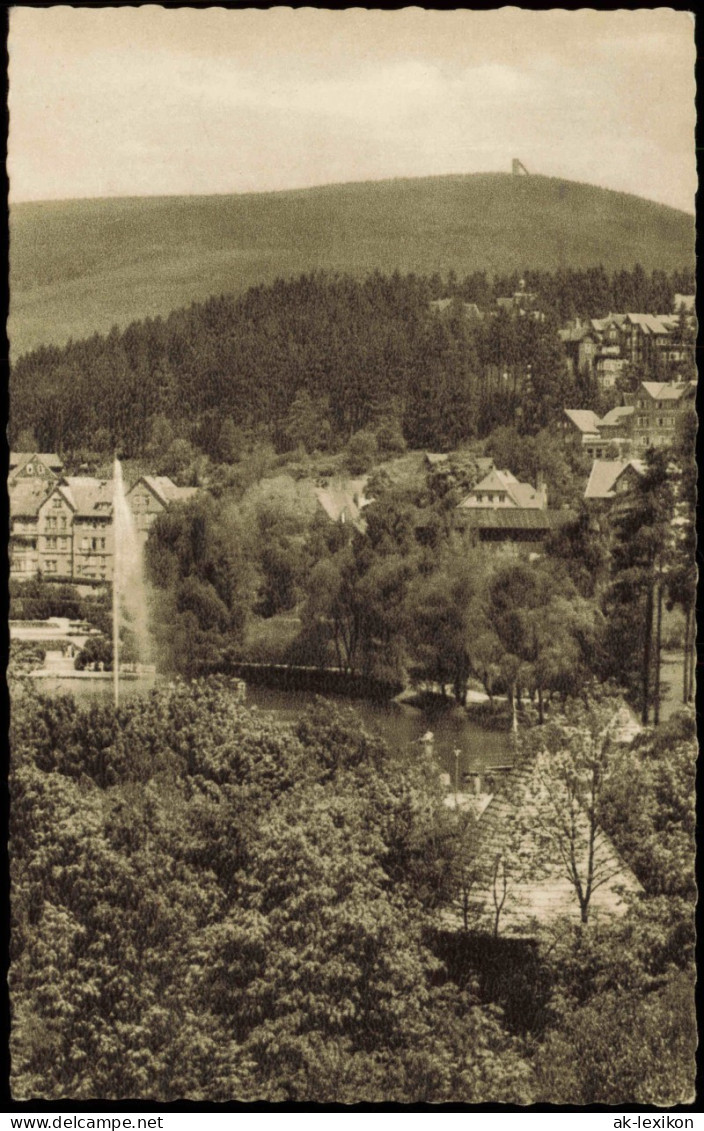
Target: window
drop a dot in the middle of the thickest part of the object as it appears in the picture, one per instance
(63, 542)
(84, 544)
(29, 469)
(51, 523)
(56, 501)
(50, 566)
(94, 543)
(102, 543)
(51, 542)
(62, 521)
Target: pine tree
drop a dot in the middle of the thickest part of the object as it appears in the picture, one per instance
(640, 556)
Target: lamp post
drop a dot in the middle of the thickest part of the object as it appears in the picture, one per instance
(457, 775)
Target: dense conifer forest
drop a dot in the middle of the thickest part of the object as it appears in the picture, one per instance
(338, 351)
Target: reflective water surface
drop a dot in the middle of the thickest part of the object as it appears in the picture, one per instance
(401, 725)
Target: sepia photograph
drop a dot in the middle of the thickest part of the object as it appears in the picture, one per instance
(352, 556)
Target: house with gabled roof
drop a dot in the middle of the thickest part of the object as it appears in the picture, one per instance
(595, 346)
(503, 489)
(648, 335)
(581, 342)
(605, 346)
(343, 500)
(580, 427)
(151, 496)
(521, 304)
(611, 477)
(501, 509)
(91, 502)
(26, 497)
(597, 436)
(63, 527)
(55, 530)
(45, 466)
(658, 406)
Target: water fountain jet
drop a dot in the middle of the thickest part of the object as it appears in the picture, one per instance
(129, 594)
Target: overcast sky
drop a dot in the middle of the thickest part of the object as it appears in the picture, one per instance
(133, 101)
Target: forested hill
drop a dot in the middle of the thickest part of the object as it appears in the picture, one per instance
(341, 353)
(82, 266)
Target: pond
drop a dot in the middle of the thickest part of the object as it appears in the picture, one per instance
(401, 725)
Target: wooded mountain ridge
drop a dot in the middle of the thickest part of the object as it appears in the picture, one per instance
(313, 360)
(356, 352)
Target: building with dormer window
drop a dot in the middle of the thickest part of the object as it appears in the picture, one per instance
(42, 466)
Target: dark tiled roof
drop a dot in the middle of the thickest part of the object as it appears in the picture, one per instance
(514, 518)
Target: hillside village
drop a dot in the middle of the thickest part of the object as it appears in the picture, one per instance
(468, 517)
(61, 523)
(517, 475)
(436, 497)
(471, 520)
